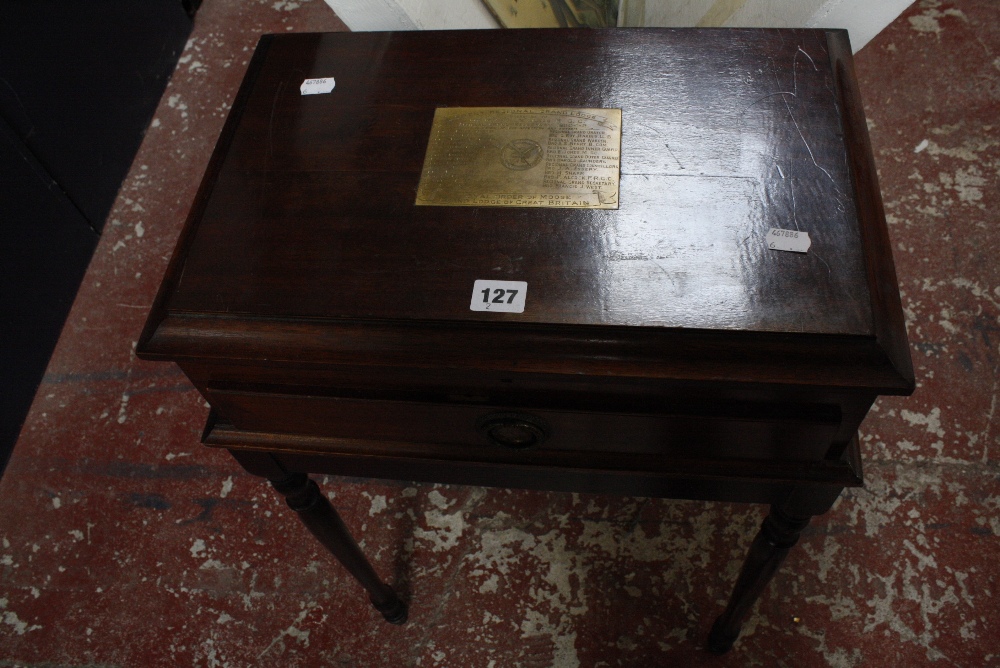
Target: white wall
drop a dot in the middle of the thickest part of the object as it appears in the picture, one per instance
(365, 15)
(863, 18)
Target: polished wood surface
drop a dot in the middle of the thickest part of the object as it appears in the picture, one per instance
(797, 432)
(307, 216)
(701, 478)
(664, 350)
(304, 497)
(778, 534)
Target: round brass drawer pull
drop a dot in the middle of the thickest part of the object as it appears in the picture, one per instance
(518, 431)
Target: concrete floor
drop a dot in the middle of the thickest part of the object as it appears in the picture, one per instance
(127, 543)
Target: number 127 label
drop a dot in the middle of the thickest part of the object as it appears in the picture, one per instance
(499, 296)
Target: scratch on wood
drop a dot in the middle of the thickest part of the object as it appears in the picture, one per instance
(764, 97)
(829, 272)
(795, 88)
(670, 150)
(809, 149)
(803, 52)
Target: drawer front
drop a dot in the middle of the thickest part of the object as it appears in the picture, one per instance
(479, 430)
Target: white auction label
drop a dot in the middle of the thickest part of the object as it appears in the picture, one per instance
(788, 240)
(317, 86)
(500, 296)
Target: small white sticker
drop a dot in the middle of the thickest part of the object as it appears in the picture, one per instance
(788, 240)
(501, 296)
(317, 86)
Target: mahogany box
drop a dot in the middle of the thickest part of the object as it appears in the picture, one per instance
(665, 347)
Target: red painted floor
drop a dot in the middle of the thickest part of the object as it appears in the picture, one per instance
(127, 543)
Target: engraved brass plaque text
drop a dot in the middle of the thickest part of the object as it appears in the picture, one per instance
(522, 156)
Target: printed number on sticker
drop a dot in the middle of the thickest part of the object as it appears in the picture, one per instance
(788, 240)
(499, 296)
(317, 86)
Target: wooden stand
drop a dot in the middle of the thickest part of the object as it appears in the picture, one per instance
(777, 535)
(323, 521)
(664, 348)
(790, 513)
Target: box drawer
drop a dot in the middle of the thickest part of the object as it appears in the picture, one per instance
(478, 428)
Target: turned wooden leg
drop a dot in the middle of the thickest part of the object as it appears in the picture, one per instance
(778, 533)
(304, 497)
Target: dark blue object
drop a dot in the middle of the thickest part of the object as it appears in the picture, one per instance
(79, 83)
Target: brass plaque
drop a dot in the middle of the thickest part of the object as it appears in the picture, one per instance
(523, 156)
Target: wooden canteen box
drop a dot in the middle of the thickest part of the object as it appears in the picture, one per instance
(645, 262)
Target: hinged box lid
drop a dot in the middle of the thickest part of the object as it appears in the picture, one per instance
(307, 243)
